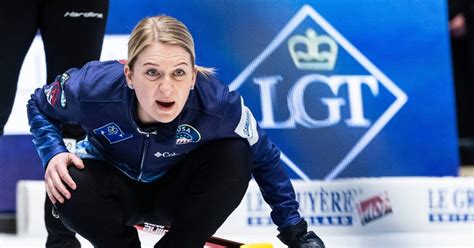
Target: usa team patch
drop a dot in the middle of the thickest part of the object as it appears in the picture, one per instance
(112, 133)
(186, 134)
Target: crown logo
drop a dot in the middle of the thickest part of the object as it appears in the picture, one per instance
(320, 54)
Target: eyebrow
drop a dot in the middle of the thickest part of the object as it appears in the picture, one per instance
(182, 63)
(150, 63)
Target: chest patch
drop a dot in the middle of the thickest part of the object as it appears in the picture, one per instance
(186, 134)
(112, 133)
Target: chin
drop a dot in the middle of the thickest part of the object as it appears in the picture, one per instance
(166, 118)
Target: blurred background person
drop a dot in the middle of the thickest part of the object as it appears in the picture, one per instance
(461, 13)
(72, 34)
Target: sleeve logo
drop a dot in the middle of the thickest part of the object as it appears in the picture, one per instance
(247, 126)
(52, 92)
(55, 90)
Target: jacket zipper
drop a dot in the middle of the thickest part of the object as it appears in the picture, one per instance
(144, 151)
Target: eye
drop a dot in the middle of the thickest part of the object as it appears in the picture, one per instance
(179, 72)
(152, 73)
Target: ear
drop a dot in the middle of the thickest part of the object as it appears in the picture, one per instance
(195, 71)
(128, 74)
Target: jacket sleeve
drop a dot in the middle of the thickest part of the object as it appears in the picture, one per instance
(269, 174)
(50, 106)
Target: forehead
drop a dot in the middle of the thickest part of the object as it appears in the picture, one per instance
(160, 52)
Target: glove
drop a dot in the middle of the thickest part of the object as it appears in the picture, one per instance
(297, 236)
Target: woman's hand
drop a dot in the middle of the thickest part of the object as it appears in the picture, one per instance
(57, 175)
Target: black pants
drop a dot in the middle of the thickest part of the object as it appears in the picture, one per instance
(70, 39)
(195, 197)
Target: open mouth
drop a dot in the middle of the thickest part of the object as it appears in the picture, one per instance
(165, 105)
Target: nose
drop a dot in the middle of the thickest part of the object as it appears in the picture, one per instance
(166, 86)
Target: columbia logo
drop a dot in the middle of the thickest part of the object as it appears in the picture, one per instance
(166, 154)
(89, 14)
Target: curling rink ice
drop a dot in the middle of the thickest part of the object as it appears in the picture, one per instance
(393, 240)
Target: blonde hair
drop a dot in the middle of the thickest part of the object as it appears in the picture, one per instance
(164, 29)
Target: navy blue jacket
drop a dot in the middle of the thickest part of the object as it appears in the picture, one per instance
(97, 97)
